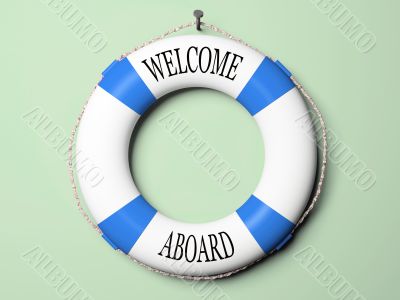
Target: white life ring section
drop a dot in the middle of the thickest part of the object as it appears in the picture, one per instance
(264, 222)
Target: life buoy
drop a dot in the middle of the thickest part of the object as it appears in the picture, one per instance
(264, 222)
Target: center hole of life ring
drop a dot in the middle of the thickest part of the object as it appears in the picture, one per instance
(197, 155)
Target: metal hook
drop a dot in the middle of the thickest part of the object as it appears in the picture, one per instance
(198, 14)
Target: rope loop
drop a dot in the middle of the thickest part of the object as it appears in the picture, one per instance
(310, 101)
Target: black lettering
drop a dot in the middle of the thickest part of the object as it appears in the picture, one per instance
(223, 243)
(167, 246)
(201, 59)
(179, 244)
(234, 66)
(217, 65)
(179, 62)
(203, 250)
(194, 248)
(155, 67)
(204, 59)
(168, 63)
(213, 246)
(188, 58)
(198, 249)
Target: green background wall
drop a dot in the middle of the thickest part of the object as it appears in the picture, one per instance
(48, 68)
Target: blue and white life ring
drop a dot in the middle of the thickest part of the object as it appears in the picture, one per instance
(264, 222)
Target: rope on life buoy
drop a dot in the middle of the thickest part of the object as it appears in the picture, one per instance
(310, 101)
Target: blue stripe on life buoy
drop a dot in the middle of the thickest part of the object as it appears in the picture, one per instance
(267, 226)
(122, 81)
(124, 227)
(268, 83)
